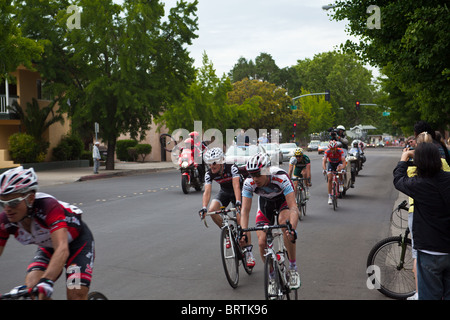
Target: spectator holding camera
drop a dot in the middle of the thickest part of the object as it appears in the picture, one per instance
(430, 189)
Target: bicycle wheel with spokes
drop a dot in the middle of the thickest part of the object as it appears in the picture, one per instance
(95, 295)
(299, 204)
(230, 260)
(334, 195)
(396, 278)
(273, 289)
(303, 201)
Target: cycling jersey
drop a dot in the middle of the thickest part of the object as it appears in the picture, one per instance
(299, 165)
(48, 215)
(272, 197)
(334, 157)
(224, 178)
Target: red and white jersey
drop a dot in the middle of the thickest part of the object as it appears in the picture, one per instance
(48, 214)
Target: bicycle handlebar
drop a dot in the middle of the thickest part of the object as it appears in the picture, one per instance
(19, 292)
(265, 228)
(221, 211)
(403, 205)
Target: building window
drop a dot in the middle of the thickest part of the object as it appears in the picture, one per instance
(42, 91)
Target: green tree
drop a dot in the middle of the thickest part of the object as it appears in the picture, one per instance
(346, 78)
(319, 111)
(411, 47)
(121, 67)
(15, 49)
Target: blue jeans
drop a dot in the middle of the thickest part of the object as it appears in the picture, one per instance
(433, 276)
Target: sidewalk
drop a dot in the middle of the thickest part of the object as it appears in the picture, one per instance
(60, 176)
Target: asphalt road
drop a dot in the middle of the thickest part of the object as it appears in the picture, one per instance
(150, 243)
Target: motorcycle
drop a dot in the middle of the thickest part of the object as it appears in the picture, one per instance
(191, 173)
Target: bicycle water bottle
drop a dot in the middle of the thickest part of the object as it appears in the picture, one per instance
(280, 258)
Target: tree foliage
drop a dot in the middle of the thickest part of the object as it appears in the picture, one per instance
(411, 48)
(121, 67)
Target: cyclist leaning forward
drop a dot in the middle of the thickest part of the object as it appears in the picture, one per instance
(276, 193)
(63, 239)
(336, 162)
(300, 165)
(230, 181)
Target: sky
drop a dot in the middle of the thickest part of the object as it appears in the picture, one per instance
(288, 30)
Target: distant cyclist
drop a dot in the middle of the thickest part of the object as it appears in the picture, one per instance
(228, 177)
(63, 239)
(300, 166)
(336, 162)
(276, 193)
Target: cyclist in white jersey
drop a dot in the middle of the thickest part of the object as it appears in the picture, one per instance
(276, 193)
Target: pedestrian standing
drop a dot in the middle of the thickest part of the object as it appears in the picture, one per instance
(96, 157)
(430, 189)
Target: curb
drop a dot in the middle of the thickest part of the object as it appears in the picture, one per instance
(126, 172)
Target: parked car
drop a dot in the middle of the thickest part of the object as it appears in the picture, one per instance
(323, 146)
(287, 150)
(239, 155)
(313, 145)
(274, 152)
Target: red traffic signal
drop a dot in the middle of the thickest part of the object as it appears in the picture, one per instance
(357, 105)
(295, 125)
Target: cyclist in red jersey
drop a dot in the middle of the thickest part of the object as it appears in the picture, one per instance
(63, 239)
(336, 162)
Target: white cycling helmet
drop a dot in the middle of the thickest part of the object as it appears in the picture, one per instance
(213, 155)
(257, 162)
(340, 127)
(18, 180)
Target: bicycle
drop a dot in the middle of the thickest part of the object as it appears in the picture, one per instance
(232, 253)
(301, 196)
(335, 193)
(276, 266)
(393, 257)
(24, 293)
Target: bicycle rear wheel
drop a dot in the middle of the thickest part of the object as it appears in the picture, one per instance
(396, 279)
(230, 260)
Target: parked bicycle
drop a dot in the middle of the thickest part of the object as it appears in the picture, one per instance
(232, 253)
(301, 198)
(24, 293)
(392, 257)
(276, 266)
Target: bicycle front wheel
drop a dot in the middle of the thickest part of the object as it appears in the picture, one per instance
(273, 289)
(230, 260)
(299, 203)
(396, 277)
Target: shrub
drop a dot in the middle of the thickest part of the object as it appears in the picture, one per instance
(143, 150)
(121, 149)
(69, 148)
(24, 149)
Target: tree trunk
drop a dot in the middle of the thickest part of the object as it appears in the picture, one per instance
(110, 156)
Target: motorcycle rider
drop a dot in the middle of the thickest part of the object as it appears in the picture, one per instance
(339, 136)
(336, 162)
(230, 181)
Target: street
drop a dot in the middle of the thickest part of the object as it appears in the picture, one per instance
(151, 244)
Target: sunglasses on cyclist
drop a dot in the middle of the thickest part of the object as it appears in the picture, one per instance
(13, 202)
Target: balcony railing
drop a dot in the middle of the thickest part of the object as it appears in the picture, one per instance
(4, 105)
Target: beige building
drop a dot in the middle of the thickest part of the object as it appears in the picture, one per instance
(28, 86)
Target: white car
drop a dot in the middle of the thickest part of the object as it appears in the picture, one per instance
(239, 155)
(288, 150)
(274, 152)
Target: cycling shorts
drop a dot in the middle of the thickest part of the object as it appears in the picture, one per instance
(79, 264)
(224, 198)
(267, 209)
(333, 166)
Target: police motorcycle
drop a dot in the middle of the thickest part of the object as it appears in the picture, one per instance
(188, 157)
(357, 152)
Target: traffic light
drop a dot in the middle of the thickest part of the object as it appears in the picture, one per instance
(295, 125)
(357, 105)
(327, 95)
